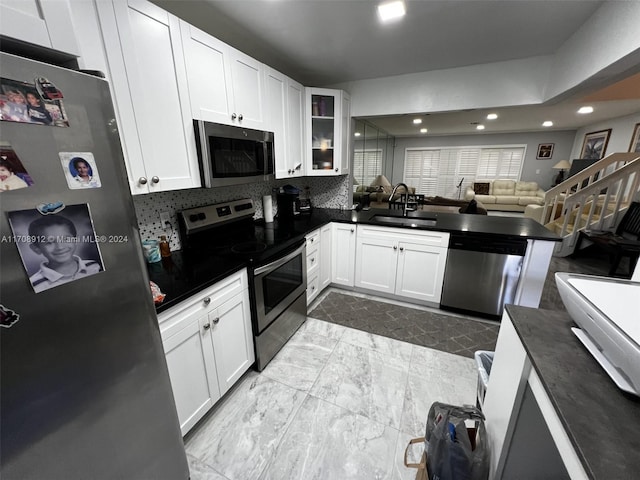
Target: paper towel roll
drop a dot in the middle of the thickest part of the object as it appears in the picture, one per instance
(267, 208)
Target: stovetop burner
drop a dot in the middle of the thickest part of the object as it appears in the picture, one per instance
(249, 247)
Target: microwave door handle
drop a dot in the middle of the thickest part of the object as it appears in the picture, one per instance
(204, 153)
(278, 263)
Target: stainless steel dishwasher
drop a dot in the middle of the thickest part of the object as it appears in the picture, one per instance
(481, 273)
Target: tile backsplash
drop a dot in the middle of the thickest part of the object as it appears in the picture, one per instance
(326, 192)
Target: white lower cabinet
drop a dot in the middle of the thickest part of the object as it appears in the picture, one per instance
(313, 247)
(401, 262)
(343, 240)
(325, 257)
(208, 345)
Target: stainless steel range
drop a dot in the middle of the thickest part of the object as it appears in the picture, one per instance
(276, 267)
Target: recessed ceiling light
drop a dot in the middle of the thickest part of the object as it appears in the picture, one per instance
(547, 123)
(357, 134)
(480, 127)
(492, 116)
(391, 10)
(423, 130)
(585, 109)
(417, 121)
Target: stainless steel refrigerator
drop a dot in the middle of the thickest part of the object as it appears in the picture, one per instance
(85, 391)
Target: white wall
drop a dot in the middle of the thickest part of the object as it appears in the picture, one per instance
(517, 82)
(621, 131)
(533, 170)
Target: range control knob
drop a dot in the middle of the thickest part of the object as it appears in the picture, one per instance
(193, 217)
(201, 216)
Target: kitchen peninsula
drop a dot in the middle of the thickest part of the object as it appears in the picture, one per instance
(182, 275)
(551, 410)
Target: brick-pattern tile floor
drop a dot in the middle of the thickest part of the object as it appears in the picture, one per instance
(446, 333)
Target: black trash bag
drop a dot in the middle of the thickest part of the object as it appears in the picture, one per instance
(450, 454)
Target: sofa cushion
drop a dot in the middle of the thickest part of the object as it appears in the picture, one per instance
(485, 198)
(503, 187)
(530, 201)
(481, 188)
(507, 199)
(526, 189)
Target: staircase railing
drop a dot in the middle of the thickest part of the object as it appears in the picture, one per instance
(554, 198)
(599, 204)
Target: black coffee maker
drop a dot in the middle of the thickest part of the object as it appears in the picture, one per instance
(288, 201)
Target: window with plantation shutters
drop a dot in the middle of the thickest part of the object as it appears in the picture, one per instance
(439, 171)
(367, 165)
(502, 163)
(421, 170)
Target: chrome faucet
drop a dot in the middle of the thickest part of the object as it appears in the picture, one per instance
(405, 204)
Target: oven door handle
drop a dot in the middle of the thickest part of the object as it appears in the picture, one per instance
(278, 263)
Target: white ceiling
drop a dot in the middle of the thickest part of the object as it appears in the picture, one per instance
(325, 42)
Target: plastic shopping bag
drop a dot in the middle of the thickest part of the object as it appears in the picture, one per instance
(455, 452)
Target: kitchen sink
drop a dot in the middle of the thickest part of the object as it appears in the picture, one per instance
(404, 221)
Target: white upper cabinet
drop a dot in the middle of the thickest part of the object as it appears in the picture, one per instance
(208, 75)
(47, 23)
(248, 90)
(295, 129)
(284, 117)
(327, 130)
(276, 111)
(225, 85)
(144, 52)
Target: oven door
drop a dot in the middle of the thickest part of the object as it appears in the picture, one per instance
(278, 284)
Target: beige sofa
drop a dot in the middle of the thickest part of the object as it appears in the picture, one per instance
(505, 195)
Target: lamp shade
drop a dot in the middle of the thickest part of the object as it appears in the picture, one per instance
(562, 165)
(381, 181)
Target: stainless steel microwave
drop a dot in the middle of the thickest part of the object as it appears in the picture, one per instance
(233, 155)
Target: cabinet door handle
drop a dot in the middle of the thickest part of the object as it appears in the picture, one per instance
(207, 301)
(402, 249)
(155, 179)
(206, 326)
(352, 230)
(395, 247)
(142, 180)
(313, 288)
(313, 260)
(233, 116)
(312, 240)
(337, 169)
(216, 320)
(240, 117)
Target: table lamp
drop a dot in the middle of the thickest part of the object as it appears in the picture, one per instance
(381, 182)
(562, 165)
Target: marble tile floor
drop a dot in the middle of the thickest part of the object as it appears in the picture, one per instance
(335, 403)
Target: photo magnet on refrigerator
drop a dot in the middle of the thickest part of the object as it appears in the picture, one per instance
(50, 208)
(23, 102)
(13, 174)
(57, 248)
(80, 170)
(8, 317)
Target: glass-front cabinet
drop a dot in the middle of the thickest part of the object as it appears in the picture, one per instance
(328, 132)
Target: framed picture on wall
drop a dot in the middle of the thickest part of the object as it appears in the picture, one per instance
(595, 144)
(634, 146)
(545, 151)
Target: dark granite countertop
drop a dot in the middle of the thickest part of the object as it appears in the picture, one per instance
(183, 275)
(602, 422)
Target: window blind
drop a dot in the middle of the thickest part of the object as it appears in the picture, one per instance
(438, 171)
(367, 165)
